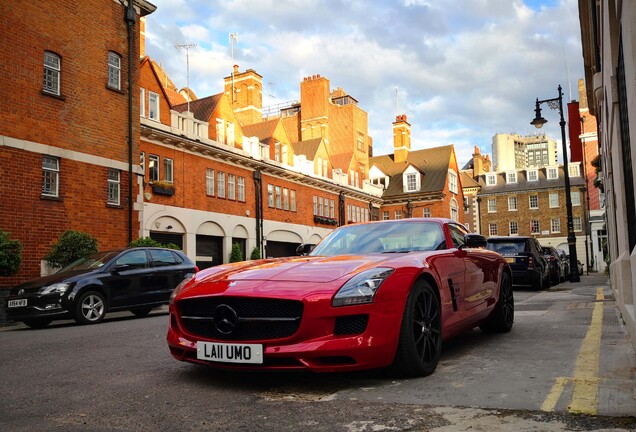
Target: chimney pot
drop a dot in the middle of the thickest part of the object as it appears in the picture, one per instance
(236, 68)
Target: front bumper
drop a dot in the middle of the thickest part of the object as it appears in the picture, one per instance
(38, 306)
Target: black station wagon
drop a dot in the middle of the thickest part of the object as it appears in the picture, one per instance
(136, 279)
(524, 254)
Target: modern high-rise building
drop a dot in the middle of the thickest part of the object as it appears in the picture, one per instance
(515, 152)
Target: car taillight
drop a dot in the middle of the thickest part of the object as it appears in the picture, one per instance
(530, 262)
(196, 269)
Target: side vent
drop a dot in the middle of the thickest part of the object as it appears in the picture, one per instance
(452, 293)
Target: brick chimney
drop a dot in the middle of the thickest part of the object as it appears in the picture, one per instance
(315, 99)
(401, 138)
(142, 37)
(481, 163)
(244, 91)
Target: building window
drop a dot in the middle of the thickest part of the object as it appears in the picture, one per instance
(555, 225)
(241, 189)
(153, 106)
(513, 227)
(492, 229)
(142, 161)
(454, 210)
(511, 177)
(50, 176)
(491, 180)
(426, 212)
(209, 182)
(467, 225)
(574, 170)
(220, 184)
(319, 166)
(277, 153)
(360, 141)
(398, 214)
(278, 197)
(153, 167)
(231, 186)
(167, 169)
(315, 205)
(512, 203)
(576, 223)
(325, 168)
(52, 73)
(533, 175)
(351, 178)
(220, 131)
(357, 177)
(535, 228)
(286, 198)
(411, 182)
(332, 208)
(452, 181)
(114, 71)
(554, 199)
(553, 174)
(576, 198)
(466, 205)
(270, 195)
(534, 202)
(320, 206)
(492, 205)
(142, 102)
(230, 134)
(385, 215)
(293, 200)
(114, 182)
(285, 157)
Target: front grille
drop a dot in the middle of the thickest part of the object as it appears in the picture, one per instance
(257, 318)
(351, 325)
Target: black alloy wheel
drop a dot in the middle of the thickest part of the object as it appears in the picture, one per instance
(420, 343)
(502, 318)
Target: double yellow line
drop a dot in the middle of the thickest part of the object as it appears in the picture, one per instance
(585, 379)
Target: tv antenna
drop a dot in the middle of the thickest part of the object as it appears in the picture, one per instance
(186, 47)
(397, 100)
(233, 40)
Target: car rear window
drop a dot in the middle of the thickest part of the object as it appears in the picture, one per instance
(507, 247)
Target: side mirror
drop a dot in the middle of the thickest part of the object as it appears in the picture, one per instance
(120, 268)
(474, 241)
(305, 248)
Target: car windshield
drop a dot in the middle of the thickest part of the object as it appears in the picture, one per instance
(507, 247)
(384, 237)
(90, 262)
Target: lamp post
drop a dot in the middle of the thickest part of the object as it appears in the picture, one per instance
(538, 122)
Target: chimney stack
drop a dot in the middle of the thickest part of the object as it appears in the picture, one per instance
(401, 138)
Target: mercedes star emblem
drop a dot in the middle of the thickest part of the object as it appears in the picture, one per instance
(225, 319)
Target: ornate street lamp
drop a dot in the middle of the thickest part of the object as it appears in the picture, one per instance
(538, 122)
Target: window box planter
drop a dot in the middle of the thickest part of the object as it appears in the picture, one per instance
(325, 220)
(162, 188)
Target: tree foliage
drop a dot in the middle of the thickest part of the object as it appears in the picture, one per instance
(236, 255)
(256, 254)
(148, 242)
(71, 246)
(10, 255)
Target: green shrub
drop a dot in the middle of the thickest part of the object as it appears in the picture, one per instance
(148, 242)
(10, 255)
(71, 246)
(256, 254)
(236, 255)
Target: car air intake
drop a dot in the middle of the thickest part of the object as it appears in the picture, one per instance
(351, 325)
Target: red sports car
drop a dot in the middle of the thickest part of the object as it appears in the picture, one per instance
(368, 296)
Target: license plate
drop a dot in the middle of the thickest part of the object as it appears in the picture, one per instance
(510, 260)
(17, 303)
(230, 353)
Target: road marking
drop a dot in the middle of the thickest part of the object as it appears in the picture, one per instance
(586, 379)
(584, 397)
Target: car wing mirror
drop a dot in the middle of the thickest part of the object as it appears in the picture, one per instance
(474, 241)
(305, 248)
(120, 268)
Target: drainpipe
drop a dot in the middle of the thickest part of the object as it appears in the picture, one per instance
(259, 210)
(341, 209)
(131, 16)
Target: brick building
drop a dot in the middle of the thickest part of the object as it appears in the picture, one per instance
(65, 136)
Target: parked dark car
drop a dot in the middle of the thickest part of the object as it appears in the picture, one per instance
(555, 264)
(566, 262)
(136, 279)
(526, 260)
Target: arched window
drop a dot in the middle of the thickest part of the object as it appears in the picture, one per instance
(454, 210)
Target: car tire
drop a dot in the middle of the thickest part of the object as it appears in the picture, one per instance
(37, 323)
(420, 342)
(502, 318)
(90, 308)
(141, 312)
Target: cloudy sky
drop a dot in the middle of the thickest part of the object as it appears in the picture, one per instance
(461, 70)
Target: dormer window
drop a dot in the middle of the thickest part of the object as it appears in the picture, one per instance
(552, 173)
(452, 181)
(574, 170)
(411, 182)
(491, 180)
(511, 177)
(533, 175)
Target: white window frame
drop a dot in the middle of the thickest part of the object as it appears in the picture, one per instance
(492, 205)
(411, 182)
(426, 212)
(454, 210)
(231, 136)
(491, 180)
(292, 195)
(153, 168)
(114, 70)
(511, 177)
(398, 214)
(452, 181)
(231, 186)
(241, 188)
(577, 224)
(277, 152)
(285, 199)
(153, 106)
(530, 202)
(513, 228)
(552, 173)
(554, 199)
(535, 223)
(385, 215)
(220, 184)
(332, 208)
(220, 131)
(321, 206)
(168, 170)
(574, 170)
(575, 201)
(279, 194)
(52, 73)
(114, 186)
(50, 176)
(270, 195)
(142, 102)
(512, 203)
(493, 230)
(532, 175)
(209, 181)
(555, 225)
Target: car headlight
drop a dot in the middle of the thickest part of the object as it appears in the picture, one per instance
(179, 287)
(361, 288)
(56, 288)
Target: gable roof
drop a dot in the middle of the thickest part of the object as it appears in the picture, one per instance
(523, 185)
(433, 163)
(467, 180)
(308, 148)
(342, 161)
(202, 109)
(263, 130)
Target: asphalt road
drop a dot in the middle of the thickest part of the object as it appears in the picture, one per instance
(566, 365)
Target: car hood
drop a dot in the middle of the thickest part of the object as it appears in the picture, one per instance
(35, 284)
(242, 277)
